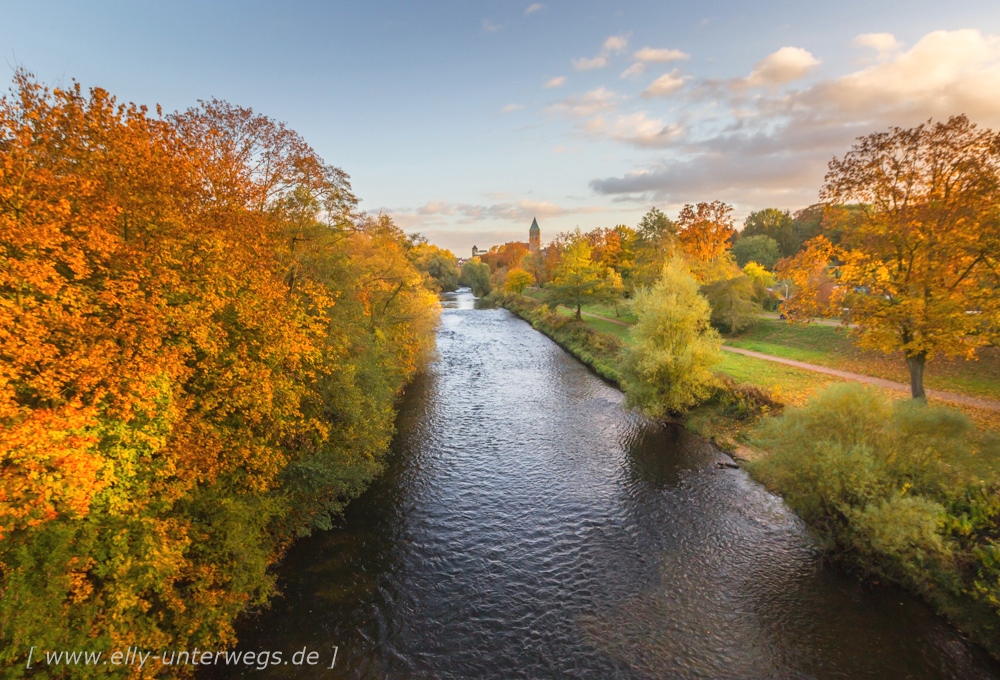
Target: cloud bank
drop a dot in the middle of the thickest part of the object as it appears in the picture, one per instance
(774, 131)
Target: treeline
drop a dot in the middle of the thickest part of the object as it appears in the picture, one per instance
(735, 270)
(201, 342)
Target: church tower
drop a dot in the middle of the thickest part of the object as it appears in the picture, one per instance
(534, 237)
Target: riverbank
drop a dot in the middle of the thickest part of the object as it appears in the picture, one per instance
(726, 419)
(940, 541)
(524, 507)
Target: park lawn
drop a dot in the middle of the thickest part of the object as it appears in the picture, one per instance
(822, 345)
(622, 332)
(624, 307)
(794, 386)
(830, 346)
(789, 385)
(625, 314)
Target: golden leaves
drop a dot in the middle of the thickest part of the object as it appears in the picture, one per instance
(176, 297)
(704, 230)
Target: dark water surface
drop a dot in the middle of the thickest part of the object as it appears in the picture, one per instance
(529, 526)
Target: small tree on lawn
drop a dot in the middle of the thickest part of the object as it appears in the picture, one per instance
(919, 262)
(578, 281)
(517, 280)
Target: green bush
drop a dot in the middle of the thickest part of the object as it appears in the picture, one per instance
(732, 301)
(908, 491)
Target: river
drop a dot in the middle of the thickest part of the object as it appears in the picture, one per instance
(529, 525)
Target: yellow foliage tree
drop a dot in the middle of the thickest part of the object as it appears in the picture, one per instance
(517, 280)
(200, 345)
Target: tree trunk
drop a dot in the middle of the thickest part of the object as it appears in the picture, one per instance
(578, 317)
(916, 363)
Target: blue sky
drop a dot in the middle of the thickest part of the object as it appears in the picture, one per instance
(464, 120)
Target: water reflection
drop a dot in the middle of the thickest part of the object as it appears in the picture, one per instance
(464, 299)
(529, 526)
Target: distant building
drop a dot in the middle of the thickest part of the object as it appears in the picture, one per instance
(534, 236)
(475, 251)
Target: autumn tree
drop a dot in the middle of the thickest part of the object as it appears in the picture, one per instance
(667, 369)
(476, 275)
(578, 281)
(734, 308)
(760, 249)
(776, 224)
(438, 263)
(810, 275)
(705, 229)
(762, 281)
(656, 227)
(201, 343)
(655, 241)
(505, 256)
(517, 280)
(920, 267)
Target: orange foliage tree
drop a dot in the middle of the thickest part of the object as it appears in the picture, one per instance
(200, 345)
(705, 230)
(919, 256)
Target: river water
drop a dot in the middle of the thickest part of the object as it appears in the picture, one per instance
(528, 525)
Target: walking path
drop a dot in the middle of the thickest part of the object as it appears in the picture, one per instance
(976, 402)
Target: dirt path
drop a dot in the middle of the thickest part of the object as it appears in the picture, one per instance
(988, 404)
(818, 322)
(602, 318)
(975, 402)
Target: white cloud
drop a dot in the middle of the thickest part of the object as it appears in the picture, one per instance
(511, 107)
(636, 69)
(534, 7)
(558, 81)
(491, 26)
(781, 67)
(616, 43)
(883, 43)
(944, 73)
(772, 149)
(637, 129)
(612, 45)
(649, 54)
(590, 63)
(588, 104)
(665, 85)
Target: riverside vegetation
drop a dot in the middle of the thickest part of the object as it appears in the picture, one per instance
(901, 490)
(201, 344)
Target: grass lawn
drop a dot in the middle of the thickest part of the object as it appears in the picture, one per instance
(830, 346)
(788, 384)
(624, 307)
(623, 332)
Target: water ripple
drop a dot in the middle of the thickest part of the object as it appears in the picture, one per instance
(528, 526)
